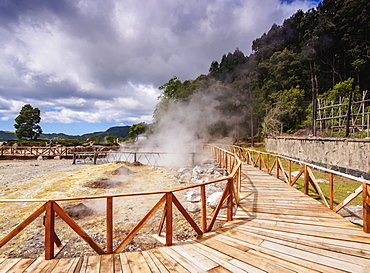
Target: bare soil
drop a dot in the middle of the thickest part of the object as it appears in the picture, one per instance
(50, 179)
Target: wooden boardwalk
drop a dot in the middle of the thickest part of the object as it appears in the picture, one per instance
(275, 229)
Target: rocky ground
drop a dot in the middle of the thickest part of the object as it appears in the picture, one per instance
(47, 179)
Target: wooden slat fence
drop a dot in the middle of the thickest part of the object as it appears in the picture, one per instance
(167, 200)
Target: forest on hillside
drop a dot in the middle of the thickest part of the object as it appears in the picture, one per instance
(290, 65)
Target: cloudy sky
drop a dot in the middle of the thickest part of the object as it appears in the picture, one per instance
(92, 64)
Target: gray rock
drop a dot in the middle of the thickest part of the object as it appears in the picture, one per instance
(320, 180)
(213, 199)
(192, 196)
(352, 211)
(192, 207)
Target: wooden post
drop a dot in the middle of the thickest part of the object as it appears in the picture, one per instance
(74, 155)
(95, 157)
(109, 222)
(366, 206)
(305, 180)
(331, 190)
(230, 200)
(49, 230)
(204, 207)
(290, 171)
(260, 167)
(169, 219)
(277, 167)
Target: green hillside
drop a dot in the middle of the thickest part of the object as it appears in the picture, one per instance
(117, 131)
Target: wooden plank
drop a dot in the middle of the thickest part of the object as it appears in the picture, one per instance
(137, 262)
(7, 264)
(219, 269)
(278, 257)
(242, 255)
(63, 265)
(153, 267)
(93, 264)
(76, 265)
(84, 264)
(181, 259)
(124, 263)
(329, 261)
(363, 241)
(107, 263)
(38, 265)
(170, 264)
(157, 262)
(325, 243)
(117, 263)
(21, 265)
(195, 257)
(290, 212)
(303, 227)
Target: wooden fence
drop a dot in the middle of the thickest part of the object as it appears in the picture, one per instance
(167, 200)
(273, 165)
(61, 151)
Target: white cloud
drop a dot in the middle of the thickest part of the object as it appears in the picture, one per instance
(102, 61)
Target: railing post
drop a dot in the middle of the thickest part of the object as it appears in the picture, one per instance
(95, 157)
(169, 219)
(305, 180)
(74, 155)
(277, 167)
(109, 223)
(204, 207)
(230, 200)
(331, 190)
(49, 230)
(260, 157)
(366, 206)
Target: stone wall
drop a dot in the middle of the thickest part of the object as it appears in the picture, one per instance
(346, 155)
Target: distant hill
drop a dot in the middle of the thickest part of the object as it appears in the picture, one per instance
(5, 135)
(117, 131)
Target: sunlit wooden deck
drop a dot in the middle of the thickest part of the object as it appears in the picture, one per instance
(275, 229)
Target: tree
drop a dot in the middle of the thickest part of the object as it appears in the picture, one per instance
(27, 123)
(137, 129)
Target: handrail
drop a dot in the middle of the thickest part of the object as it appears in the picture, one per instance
(6, 151)
(50, 208)
(262, 161)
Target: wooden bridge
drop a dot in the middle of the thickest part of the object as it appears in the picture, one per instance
(276, 228)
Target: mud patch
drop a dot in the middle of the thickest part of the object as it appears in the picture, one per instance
(78, 210)
(123, 170)
(104, 183)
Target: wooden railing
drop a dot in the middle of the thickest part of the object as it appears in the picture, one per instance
(273, 165)
(49, 151)
(50, 208)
